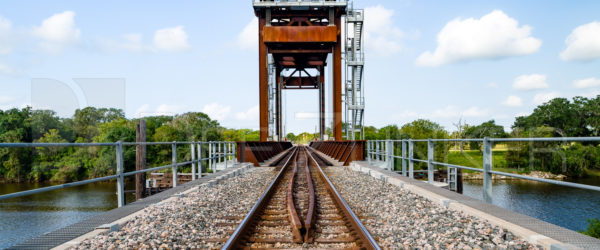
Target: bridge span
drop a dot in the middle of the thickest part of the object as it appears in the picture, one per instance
(342, 194)
(327, 195)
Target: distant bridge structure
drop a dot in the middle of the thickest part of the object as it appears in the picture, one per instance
(295, 41)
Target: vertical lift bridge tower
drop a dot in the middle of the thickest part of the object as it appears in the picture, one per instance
(297, 36)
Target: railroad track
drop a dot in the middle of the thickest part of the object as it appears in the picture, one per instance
(301, 209)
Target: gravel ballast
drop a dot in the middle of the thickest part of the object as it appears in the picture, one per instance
(188, 222)
(398, 218)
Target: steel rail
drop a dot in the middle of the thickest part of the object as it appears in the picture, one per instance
(312, 205)
(362, 231)
(293, 217)
(261, 203)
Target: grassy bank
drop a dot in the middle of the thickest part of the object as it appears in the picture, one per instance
(474, 158)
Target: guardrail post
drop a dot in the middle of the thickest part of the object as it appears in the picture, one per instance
(369, 152)
(381, 148)
(120, 183)
(390, 154)
(174, 163)
(193, 152)
(487, 166)
(209, 157)
(226, 155)
(403, 157)
(377, 150)
(213, 157)
(430, 161)
(411, 168)
(234, 146)
(200, 160)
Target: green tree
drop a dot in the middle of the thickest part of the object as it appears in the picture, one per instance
(86, 121)
(48, 159)
(390, 132)
(425, 129)
(15, 126)
(120, 129)
(563, 116)
(371, 133)
(486, 129)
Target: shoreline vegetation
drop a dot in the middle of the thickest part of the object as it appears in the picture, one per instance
(559, 117)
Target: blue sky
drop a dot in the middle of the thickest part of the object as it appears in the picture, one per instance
(439, 60)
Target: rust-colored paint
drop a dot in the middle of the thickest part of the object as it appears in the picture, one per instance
(305, 81)
(263, 83)
(343, 151)
(257, 151)
(322, 103)
(337, 85)
(300, 34)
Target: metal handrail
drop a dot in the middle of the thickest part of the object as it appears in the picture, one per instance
(383, 150)
(218, 152)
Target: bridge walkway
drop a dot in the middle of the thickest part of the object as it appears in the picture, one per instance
(533, 230)
(68, 233)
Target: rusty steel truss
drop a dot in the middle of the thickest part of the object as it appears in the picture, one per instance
(342, 151)
(295, 40)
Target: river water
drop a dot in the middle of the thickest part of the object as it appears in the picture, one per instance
(564, 206)
(30, 216)
(26, 217)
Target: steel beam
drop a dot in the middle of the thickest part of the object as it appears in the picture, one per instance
(263, 82)
(300, 34)
(278, 103)
(322, 103)
(337, 83)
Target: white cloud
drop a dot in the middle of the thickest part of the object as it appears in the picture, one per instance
(587, 83)
(495, 35)
(5, 36)
(492, 85)
(58, 31)
(381, 36)
(513, 101)
(172, 39)
(216, 111)
(248, 38)
(163, 109)
(530, 82)
(583, 44)
(541, 98)
(250, 114)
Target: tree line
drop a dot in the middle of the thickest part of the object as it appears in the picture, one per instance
(559, 117)
(90, 124)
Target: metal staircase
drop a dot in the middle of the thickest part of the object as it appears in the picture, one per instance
(354, 100)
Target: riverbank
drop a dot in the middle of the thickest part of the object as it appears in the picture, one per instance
(536, 174)
(474, 158)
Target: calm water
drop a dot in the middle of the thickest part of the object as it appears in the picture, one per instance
(26, 217)
(563, 206)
